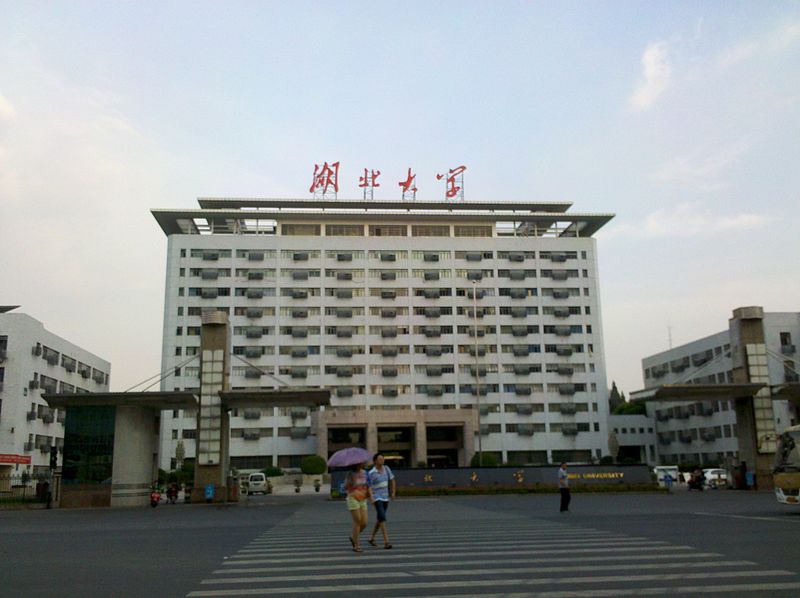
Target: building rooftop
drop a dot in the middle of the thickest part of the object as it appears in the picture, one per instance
(260, 216)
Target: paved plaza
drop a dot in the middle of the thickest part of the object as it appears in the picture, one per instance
(726, 543)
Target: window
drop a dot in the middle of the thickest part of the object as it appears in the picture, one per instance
(388, 230)
(344, 230)
(430, 230)
(298, 230)
(472, 231)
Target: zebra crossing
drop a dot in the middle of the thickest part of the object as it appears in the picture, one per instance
(487, 555)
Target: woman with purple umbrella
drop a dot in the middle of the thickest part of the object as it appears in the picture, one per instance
(358, 491)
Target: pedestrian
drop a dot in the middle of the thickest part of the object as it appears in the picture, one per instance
(381, 481)
(563, 487)
(358, 492)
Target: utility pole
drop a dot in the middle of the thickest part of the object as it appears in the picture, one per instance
(477, 369)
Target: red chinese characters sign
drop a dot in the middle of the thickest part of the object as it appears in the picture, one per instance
(16, 459)
(325, 182)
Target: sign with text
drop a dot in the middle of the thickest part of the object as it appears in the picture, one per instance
(16, 459)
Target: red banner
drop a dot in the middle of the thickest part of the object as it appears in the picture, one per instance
(21, 459)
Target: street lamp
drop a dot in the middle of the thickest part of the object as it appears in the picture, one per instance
(477, 369)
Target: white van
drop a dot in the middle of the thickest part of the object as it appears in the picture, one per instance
(257, 482)
(662, 471)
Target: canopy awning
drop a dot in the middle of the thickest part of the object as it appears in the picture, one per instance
(153, 400)
(696, 392)
(238, 399)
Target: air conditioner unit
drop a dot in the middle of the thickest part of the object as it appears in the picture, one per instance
(37, 350)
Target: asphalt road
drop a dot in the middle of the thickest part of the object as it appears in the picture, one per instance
(724, 542)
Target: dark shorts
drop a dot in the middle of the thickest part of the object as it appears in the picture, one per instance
(380, 509)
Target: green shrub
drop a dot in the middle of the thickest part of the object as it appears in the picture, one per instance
(313, 465)
(487, 460)
(272, 472)
(606, 460)
(536, 489)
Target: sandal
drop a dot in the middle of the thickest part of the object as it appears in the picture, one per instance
(356, 548)
(388, 546)
(352, 542)
(372, 543)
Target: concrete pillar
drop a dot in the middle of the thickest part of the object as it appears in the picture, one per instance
(213, 435)
(755, 420)
(135, 455)
(318, 423)
(372, 433)
(420, 443)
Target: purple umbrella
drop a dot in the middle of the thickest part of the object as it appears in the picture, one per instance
(349, 456)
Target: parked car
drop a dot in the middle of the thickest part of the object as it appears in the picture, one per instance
(716, 478)
(257, 482)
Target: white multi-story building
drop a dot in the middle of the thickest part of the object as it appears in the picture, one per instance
(34, 361)
(705, 432)
(439, 328)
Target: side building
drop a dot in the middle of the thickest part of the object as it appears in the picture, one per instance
(440, 328)
(34, 361)
(705, 432)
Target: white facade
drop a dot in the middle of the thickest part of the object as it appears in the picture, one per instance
(706, 432)
(376, 305)
(34, 361)
(635, 436)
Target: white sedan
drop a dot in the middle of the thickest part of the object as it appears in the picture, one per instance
(716, 478)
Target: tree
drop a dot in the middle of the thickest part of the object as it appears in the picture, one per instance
(313, 465)
(628, 408)
(488, 460)
(614, 398)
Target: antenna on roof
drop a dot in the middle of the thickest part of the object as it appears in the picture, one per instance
(669, 335)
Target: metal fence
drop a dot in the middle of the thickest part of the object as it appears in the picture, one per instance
(24, 488)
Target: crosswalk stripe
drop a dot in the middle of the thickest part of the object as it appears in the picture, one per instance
(399, 554)
(471, 572)
(487, 544)
(653, 591)
(298, 539)
(467, 563)
(473, 583)
(312, 540)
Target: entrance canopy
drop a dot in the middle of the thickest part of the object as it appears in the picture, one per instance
(787, 392)
(238, 399)
(153, 400)
(692, 393)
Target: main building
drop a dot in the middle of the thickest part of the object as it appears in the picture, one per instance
(440, 328)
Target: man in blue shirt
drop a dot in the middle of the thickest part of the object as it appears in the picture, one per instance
(381, 480)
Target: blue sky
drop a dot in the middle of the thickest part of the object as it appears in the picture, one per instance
(682, 118)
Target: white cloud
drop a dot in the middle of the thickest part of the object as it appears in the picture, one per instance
(657, 76)
(686, 220)
(779, 39)
(7, 111)
(702, 168)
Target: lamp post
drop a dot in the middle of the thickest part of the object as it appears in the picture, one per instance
(477, 369)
